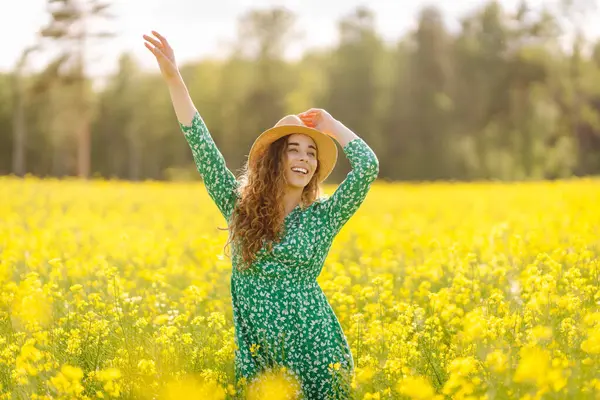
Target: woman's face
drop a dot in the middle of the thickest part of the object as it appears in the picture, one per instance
(300, 160)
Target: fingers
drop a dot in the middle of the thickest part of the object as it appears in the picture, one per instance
(155, 50)
(153, 41)
(161, 38)
(306, 116)
(311, 123)
(311, 117)
(311, 111)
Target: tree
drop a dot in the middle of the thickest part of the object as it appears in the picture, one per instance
(395, 160)
(264, 35)
(479, 87)
(352, 91)
(117, 143)
(69, 24)
(574, 13)
(19, 124)
(502, 114)
(430, 105)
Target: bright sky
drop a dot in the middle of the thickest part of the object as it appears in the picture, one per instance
(199, 28)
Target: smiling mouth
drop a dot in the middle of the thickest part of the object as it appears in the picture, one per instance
(299, 170)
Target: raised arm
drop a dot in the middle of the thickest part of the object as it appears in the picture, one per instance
(351, 193)
(165, 57)
(218, 179)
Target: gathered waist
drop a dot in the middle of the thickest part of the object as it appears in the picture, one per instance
(256, 280)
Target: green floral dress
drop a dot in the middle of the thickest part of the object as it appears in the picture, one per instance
(281, 315)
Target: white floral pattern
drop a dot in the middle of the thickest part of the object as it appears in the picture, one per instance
(277, 302)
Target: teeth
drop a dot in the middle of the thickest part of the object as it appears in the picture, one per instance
(302, 170)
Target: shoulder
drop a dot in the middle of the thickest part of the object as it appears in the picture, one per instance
(321, 199)
(319, 203)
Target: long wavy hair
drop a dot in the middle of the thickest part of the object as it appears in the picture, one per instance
(258, 215)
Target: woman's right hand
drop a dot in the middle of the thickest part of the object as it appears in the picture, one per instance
(164, 55)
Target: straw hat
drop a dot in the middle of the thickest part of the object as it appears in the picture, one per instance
(327, 151)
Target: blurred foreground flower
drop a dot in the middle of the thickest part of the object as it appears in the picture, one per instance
(67, 382)
(191, 387)
(536, 367)
(32, 306)
(274, 385)
(417, 388)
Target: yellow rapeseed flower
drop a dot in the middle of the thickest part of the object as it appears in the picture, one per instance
(364, 374)
(591, 344)
(497, 361)
(275, 385)
(32, 305)
(76, 288)
(67, 382)
(417, 388)
(372, 396)
(147, 367)
(443, 278)
(190, 387)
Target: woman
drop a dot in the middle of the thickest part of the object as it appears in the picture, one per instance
(281, 230)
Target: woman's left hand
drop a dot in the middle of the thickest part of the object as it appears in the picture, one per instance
(321, 120)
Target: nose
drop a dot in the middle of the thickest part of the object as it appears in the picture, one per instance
(303, 156)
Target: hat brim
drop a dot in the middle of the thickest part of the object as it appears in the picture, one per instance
(327, 151)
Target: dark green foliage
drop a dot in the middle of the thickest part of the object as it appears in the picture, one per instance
(498, 99)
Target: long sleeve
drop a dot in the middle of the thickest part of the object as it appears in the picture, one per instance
(351, 193)
(218, 179)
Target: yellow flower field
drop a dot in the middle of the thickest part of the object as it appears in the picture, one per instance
(114, 290)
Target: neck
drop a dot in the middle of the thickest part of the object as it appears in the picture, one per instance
(291, 199)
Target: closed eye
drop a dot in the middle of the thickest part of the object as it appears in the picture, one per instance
(312, 153)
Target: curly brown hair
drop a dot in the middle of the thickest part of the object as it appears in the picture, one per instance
(258, 215)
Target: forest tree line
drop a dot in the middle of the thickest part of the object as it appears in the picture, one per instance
(501, 98)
